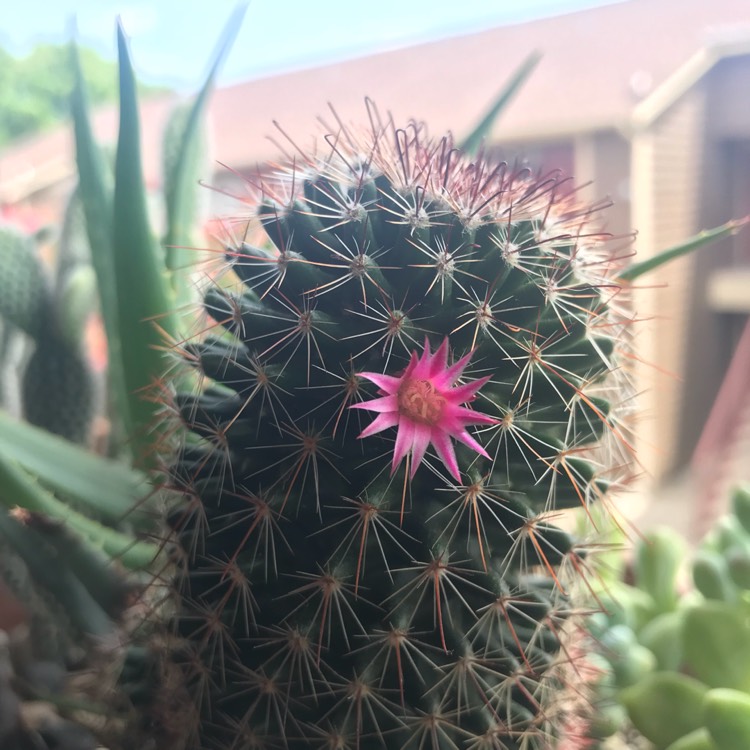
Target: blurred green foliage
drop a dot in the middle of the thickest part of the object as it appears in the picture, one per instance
(674, 658)
(35, 89)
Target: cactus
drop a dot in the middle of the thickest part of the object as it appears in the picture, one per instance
(405, 382)
(24, 289)
(57, 389)
(56, 385)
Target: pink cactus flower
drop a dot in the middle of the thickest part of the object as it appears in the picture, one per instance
(426, 408)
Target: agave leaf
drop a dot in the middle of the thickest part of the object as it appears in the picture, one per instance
(473, 141)
(95, 191)
(19, 488)
(112, 490)
(50, 572)
(108, 584)
(144, 300)
(181, 174)
(693, 243)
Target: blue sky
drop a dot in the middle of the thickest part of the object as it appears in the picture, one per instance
(172, 39)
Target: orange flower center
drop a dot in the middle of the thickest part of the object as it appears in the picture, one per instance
(419, 401)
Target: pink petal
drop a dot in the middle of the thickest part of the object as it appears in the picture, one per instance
(463, 393)
(422, 437)
(467, 439)
(411, 367)
(439, 360)
(444, 449)
(454, 371)
(382, 404)
(404, 441)
(420, 369)
(382, 422)
(387, 383)
(455, 418)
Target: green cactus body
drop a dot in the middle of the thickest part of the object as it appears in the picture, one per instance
(58, 388)
(341, 587)
(24, 288)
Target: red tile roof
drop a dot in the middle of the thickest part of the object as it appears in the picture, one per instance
(591, 60)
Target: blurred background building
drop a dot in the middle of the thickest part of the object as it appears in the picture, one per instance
(643, 101)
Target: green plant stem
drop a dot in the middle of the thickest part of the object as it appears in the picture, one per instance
(693, 243)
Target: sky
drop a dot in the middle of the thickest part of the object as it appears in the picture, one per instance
(172, 40)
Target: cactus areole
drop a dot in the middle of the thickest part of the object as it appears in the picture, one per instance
(411, 368)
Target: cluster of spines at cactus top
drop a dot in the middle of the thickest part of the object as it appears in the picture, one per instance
(329, 596)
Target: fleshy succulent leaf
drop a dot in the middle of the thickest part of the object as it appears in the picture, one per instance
(55, 575)
(108, 489)
(145, 303)
(19, 489)
(95, 189)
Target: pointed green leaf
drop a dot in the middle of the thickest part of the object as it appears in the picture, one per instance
(181, 171)
(109, 585)
(145, 304)
(47, 571)
(19, 488)
(688, 246)
(473, 141)
(95, 192)
(113, 491)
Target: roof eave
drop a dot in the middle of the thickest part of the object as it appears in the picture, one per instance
(684, 78)
(551, 131)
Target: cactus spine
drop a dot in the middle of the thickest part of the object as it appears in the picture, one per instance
(332, 594)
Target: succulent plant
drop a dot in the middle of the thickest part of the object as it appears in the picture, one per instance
(75, 527)
(395, 579)
(677, 658)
